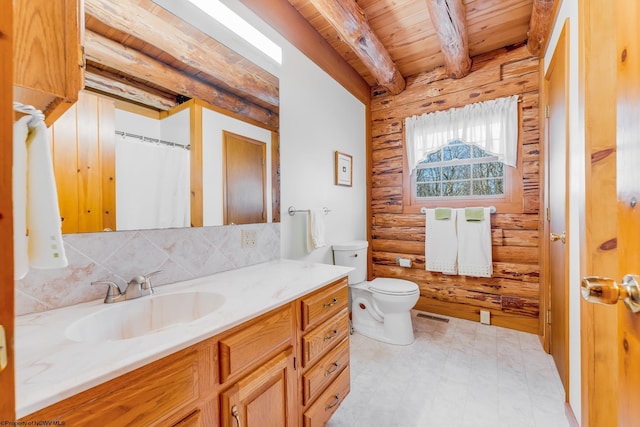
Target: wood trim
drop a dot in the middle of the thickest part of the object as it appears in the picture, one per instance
(543, 227)
(7, 376)
(283, 17)
(598, 332)
(564, 39)
(233, 115)
(275, 176)
(369, 183)
(106, 132)
(196, 184)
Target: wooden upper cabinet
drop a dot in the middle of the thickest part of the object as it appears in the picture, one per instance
(47, 59)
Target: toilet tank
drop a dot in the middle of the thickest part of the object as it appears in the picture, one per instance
(352, 254)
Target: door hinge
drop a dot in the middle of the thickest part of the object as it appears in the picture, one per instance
(82, 58)
(548, 214)
(295, 365)
(548, 317)
(547, 111)
(3, 349)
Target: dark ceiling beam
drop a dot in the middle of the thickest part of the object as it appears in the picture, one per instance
(539, 25)
(139, 67)
(130, 18)
(448, 18)
(353, 28)
(109, 86)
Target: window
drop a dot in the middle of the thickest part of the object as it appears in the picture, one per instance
(459, 170)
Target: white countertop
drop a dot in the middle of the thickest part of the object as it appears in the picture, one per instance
(50, 367)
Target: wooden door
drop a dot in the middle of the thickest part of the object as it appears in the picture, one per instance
(244, 180)
(263, 398)
(7, 385)
(556, 82)
(628, 191)
(626, 29)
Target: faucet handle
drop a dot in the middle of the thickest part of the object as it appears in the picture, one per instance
(113, 292)
(146, 284)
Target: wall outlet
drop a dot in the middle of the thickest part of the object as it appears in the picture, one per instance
(248, 238)
(403, 262)
(485, 317)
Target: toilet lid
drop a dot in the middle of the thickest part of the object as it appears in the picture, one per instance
(393, 286)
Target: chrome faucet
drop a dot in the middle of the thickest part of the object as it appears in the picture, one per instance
(137, 287)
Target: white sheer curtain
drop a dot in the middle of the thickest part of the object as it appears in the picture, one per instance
(152, 185)
(490, 125)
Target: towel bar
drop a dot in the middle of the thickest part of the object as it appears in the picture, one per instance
(492, 209)
(292, 211)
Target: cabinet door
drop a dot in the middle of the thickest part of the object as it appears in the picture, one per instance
(264, 398)
(47, 58)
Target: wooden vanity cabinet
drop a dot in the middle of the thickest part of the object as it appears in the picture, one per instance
(48, 59)
(176, 390)
(287, 367)
(258, 380)
(324, 346)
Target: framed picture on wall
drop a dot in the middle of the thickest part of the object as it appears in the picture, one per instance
(344, 172)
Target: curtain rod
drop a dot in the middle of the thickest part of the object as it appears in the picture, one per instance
(153, 140)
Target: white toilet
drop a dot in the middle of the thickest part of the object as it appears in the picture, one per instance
(380, 309)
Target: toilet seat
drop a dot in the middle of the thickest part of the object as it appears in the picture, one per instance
(387, 286)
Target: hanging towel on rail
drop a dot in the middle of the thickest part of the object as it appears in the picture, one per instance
(38, 202)
(441, 243)
(19, 172)
(315, 229)
(474, 243)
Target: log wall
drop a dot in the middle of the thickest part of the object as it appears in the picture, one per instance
(512, 295)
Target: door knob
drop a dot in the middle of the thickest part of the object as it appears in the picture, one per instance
(554, 237)
(602, 290)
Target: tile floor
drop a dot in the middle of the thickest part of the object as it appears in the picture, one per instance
(455, 374)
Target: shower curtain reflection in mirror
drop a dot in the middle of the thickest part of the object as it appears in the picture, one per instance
(152, 185)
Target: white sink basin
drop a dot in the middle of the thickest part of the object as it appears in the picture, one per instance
(143, 316)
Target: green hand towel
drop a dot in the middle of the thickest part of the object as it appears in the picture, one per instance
(474, 214)
(443, 213)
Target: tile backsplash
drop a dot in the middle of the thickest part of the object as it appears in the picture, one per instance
(181, 254)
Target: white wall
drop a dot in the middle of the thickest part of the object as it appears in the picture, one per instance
(213, 123)
(317, 117)
(569, 10)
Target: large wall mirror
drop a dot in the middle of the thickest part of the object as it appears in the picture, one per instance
(176, 115)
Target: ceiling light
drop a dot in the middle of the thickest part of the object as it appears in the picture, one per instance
(238, 25)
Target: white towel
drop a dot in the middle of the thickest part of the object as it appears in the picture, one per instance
(474, 246)
(46, 248)
(20, 241)
(315, 230)
(441, 243)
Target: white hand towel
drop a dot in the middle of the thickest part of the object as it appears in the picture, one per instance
(20, 241)
(441, 243)
(474, 245)
(315, 230)
(46, 249)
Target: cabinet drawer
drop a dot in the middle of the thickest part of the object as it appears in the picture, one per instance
(316, 342)
(319, 413)
(253, 343)
(325, 371)
(324, 304)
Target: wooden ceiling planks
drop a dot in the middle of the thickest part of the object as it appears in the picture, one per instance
(406, 31)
